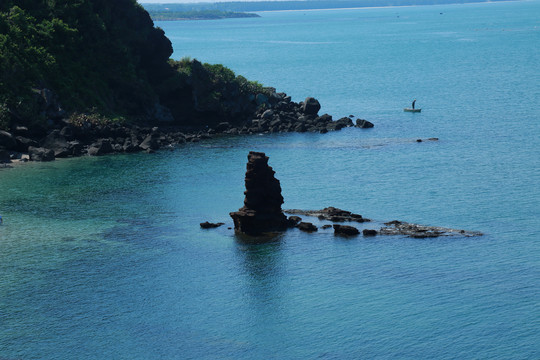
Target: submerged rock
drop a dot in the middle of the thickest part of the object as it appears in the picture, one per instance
(209, 225)
(422, 231)
(307, 227)
(262, 205)
(345, 230)
(330, 213)
(391, 228)
(364, 124)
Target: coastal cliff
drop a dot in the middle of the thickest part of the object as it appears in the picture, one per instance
(95, 77)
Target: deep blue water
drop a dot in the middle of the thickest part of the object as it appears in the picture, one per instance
(103, 258)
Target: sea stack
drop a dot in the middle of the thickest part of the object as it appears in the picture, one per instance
(262, 205)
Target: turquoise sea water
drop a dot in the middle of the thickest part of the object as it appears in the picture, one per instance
(103, 258)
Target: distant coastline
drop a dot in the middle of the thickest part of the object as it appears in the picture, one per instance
(167, 15)
(222, 10)
(393, 6)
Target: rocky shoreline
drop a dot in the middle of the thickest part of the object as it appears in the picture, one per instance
(83, 135)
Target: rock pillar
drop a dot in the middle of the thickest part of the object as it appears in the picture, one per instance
(262, 205)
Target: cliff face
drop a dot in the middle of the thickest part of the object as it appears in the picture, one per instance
(105, 57)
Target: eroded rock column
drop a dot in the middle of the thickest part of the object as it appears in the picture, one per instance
(262, 205)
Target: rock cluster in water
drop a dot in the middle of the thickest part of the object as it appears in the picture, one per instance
(422, 231)
(395, 227)
(261, 212)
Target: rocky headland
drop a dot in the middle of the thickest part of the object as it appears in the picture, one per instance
(96, 84)
(89, 135)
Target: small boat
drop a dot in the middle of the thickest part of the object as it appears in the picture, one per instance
(412, 110)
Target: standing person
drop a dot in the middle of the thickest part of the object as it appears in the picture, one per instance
(414, 101)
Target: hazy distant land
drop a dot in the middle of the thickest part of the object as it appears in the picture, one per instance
(172, 15)
(235, 9)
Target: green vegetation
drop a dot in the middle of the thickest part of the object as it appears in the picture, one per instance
(107, 59)
(165, 15)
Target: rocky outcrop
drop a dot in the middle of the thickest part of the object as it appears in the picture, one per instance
(90, 134)
(57, 142)
(311, 106)
(7, 140)
(345, 230)
(100, 147)
(307, 227)
(330, 213)
(261, 212)
(40, 154)
(364, 124)
(209, 225)
(294, 220)
(391, 228)
(422, 231)
(4, 156)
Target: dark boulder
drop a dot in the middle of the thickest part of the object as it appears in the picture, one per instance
(67, 132)
(24, 143)
(307, 227)
(223, 126)
(324, 119)
(7, 140)
(294, 220)
(101, 147)
(75, 148)
(209, 225)
(422, 231)
(262, 205)
(331, 213)
(364, 124)
(345, 230)
(130, 145)
(261, 99)
(311, 106)
(369, 232)
(339, 124)
(267, 115)
(20, 130)
(56, 142)
(151, 142)
(40, 154)
(4, 156)
(345, 122)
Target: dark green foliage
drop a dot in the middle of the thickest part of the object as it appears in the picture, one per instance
(105, 58)
(94, 54)
(206, 94)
